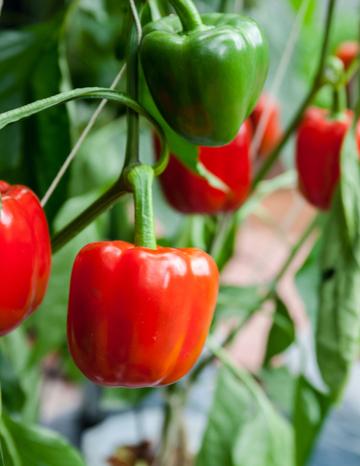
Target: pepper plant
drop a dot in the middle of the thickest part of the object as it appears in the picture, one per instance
(144, 297)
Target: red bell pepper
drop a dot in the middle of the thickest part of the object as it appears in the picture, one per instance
(139, 316)
(190, 193)
(347, 52)
(272, 130)
(318, 149)
(25, 253)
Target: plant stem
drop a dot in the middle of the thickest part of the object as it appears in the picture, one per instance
(295, 249)
(339, 103)
(316, 85)
(224, 6)
(85, 218)
(268, 295)
(173, 449)
(119, 188)
(188, 14)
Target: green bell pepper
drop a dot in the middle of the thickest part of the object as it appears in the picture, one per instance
(205, 73)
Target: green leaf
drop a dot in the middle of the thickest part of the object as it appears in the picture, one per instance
(238, 301)
(310, 410)
(279, 384)
(47, 134)
(9, 454)
(266, 439)
(307, 281)
(338, 330)
(243, 428)
(19, 383)
(224, 421)
(282, 332)
(350, 191)
(18, 51)
(32, 151)
(13, 395)
(13, 377)
(37, 446)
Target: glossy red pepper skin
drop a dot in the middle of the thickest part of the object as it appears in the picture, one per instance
(190, 193)
(318, 149)
(347, 52)
(272, 130)
(139, 317)
(25, 253)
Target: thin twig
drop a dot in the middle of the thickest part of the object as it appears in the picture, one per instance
(76, 148)
(136, 18)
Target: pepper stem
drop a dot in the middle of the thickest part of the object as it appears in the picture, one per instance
(140, 178)
(188, 14)
(339, 101)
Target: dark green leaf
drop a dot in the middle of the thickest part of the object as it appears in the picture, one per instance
(310, 410)
(47, 135)
(338, 330)
(95, 36)
(40, 447)
(8, 450)
(13, 395)
(19, 384)
(33, 150)
(282, 332)
(18, 51)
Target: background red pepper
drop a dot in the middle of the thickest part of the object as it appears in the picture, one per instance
(318, 148)
(25, 253)
(272, 130)
(190, 193)
(138, 316)
(347, 52)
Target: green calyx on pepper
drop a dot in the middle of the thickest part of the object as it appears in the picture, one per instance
(205, 73)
